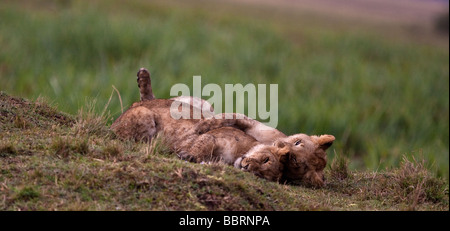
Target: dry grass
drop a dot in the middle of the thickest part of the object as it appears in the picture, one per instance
(415, 184)
(89, 122)
(339, 167)
(65, 147)
(7, 149)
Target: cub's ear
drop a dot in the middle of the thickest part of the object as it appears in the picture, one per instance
(325, 141)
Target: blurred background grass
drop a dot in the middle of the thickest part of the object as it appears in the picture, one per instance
(380, 87)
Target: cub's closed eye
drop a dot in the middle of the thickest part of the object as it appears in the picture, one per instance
(266, 160)
(298, 142)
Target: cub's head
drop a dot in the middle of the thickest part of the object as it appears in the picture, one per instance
(264, 161)
(307, 158)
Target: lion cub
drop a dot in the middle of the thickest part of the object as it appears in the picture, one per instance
(290, 158)
(232, 146)
(264, 161)
(306, 159)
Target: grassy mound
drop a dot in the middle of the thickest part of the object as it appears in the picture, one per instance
(55, 161)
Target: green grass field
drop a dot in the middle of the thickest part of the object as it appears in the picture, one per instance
(381, 96)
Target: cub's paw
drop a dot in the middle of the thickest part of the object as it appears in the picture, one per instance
(187, 156)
